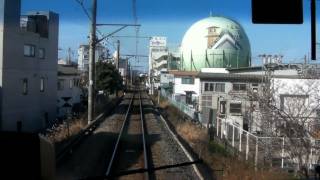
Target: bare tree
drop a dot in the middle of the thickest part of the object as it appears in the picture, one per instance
(288, 108)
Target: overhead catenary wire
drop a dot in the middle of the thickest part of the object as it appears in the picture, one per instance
(86, 12)
(103, 37)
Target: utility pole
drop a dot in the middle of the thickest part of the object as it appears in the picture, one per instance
(92, 49)
(69, 56)
(313, 30)
(118, 54)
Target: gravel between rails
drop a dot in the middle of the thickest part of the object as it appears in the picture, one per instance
(163, 148)
(130, 156)
(90, 157)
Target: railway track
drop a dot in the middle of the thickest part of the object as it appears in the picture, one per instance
(130, 151)
(145, 149)
(133, 143)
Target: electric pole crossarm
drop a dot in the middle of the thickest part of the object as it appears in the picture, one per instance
(129, 55)
(119, 25)
(139, 37)
(313, 30)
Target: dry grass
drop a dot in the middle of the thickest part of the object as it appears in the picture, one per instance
(233, 168)
(214, 154)
(61, 133)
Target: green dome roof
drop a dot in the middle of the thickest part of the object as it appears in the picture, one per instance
(216, 42)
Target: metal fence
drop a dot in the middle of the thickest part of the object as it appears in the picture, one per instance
(266, 151)
(183, 107)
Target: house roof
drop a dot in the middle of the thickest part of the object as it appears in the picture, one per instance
(67, 70)
(240, 77)
(229, 77)
(183, 73)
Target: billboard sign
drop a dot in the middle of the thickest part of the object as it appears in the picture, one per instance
(158, 42)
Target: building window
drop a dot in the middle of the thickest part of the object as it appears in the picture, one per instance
(220, 87)
(235, 108)
(41, 84)
(211, 87)
(293, 103)
(29, 50)
(60, 84)
(76, 82)
(25, 86)
(239, 87)
(71, 83)
(206, 86)
(217, 87)
(187, 80)
(42, 53)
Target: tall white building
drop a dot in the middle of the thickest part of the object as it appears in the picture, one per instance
(158, 61)
(28, 67)
(83, 56)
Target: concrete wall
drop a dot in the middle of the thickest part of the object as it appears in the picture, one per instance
(31, 108)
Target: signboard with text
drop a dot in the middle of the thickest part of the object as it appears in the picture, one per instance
(158, 42)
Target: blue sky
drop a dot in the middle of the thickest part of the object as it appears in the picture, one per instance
(172, 18)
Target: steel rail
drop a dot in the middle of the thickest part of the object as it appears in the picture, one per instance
(119, 137)
(144, 133)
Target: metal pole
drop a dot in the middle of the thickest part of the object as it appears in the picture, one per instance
(92, 45)
(131, 76)
(217, 127)
(256, 155)
(247, 146)
(313, 30)
(232, 135)
(118, 54)
(159, 91)
(240, 140)
(221, 131)
(282, 153)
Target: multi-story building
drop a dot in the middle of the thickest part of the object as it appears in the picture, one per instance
(28, 67)
(158, 61)
(234, 94)
(83, 56)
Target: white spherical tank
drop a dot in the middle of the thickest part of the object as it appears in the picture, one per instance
(215, 42)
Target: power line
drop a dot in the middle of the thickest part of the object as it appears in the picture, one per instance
(84, 9)
(105, 37)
